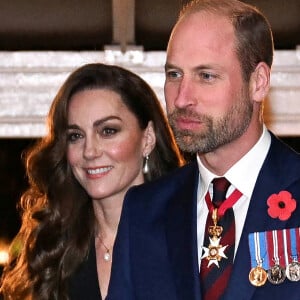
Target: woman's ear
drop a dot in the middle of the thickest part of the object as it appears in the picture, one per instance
(149, 138)
(260, 82)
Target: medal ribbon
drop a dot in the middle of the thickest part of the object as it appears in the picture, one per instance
(280, 246)
(228, 203)
(298, 240)
(295, 243)
(277, 242)
(257, 246)
(286, 246)
(275, 247)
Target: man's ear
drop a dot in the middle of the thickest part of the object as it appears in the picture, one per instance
(260, 82)
(149, 138)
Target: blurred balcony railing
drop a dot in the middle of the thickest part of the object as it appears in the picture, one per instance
(30, 80)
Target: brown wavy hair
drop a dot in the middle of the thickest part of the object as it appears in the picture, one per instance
(57, 215)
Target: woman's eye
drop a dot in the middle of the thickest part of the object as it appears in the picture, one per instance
(108, 131)
(73, 136)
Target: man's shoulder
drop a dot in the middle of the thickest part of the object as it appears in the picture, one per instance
(150, 201)
(280, 147)
(167, 185)
(281, 167)
(283, 154)
(177, 177)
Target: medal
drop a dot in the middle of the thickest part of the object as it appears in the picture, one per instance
(257, 275)
(276, 274)
(215, 251)
(280, 249)
(293, 269)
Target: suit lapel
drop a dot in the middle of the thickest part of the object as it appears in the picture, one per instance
(269, 181)
(181, 230)
(256, 220)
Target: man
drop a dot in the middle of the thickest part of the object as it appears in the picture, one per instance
(175, 240)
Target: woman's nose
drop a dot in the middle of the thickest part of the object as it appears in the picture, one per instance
(92, 148)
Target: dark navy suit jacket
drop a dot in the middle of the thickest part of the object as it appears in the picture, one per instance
(155, 254)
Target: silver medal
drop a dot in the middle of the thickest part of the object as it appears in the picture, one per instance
(276, 274)
(293, 271)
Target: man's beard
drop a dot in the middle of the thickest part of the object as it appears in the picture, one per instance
(215, 133)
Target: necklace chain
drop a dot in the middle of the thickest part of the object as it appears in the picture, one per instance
(107, 254)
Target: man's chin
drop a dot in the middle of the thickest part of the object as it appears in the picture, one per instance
(186, 143)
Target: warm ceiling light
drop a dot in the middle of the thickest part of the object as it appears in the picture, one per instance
(3, 257)
(4, 254)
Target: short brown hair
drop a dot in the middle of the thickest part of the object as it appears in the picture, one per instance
(254, 39)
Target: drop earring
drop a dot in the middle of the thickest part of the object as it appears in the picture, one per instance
(146, 165)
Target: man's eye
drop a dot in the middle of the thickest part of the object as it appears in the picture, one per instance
(207, 76)
(172, 74)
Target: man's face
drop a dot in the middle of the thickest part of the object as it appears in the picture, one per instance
(208, 102)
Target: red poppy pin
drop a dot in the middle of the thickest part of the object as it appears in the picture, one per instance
(281, 205)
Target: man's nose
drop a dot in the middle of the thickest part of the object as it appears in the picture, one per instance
(186, 93)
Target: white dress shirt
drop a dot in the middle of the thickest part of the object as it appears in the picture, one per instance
(242, 175)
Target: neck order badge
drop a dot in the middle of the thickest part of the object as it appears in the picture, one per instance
(214, 252)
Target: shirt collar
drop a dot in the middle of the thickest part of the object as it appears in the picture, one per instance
(242, 174)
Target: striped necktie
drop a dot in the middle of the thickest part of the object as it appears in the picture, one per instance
(214, 274)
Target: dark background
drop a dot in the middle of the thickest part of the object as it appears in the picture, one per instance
(87, 24)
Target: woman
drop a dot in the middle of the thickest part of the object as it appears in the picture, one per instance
(106, 133)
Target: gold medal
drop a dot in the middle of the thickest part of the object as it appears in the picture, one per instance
(258, 276)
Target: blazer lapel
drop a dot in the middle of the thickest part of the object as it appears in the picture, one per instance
(181, 230)
(239, 286)
(257, 217)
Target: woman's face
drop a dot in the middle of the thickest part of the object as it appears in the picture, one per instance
(105, 144)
